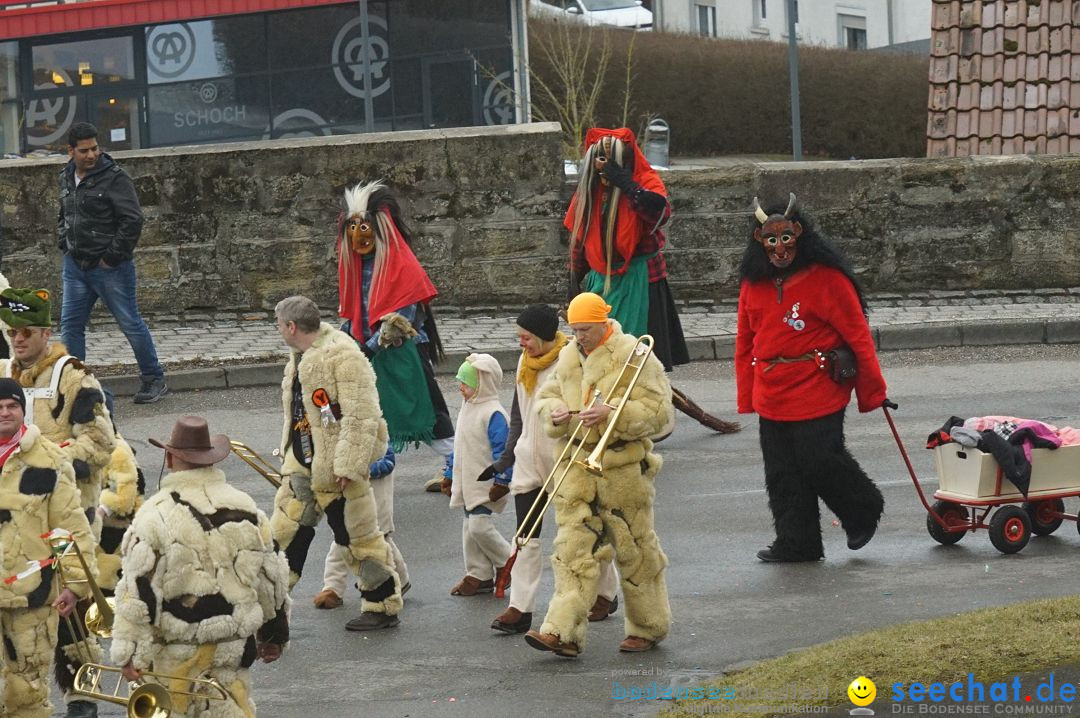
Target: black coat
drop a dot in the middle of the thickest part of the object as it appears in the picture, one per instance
(100, 219)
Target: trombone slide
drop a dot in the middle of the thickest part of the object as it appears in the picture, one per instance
(263, 467)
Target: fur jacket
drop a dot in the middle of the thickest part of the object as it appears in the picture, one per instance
(76, 419)
(649, 411)
(199, 567)
(37, 495)
(353, 435)
(122, 495)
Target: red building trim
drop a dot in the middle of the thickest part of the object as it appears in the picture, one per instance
(31, 21)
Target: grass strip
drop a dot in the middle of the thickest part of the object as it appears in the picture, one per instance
(991, 643)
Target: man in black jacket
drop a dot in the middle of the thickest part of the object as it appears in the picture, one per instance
(98, 227)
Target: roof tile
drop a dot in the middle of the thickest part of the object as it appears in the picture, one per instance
(1002, 76)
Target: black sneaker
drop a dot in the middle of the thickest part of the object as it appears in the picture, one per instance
(369, 621)
(152, 390)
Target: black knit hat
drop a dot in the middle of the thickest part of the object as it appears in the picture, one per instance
(10, 389)
(541, 320)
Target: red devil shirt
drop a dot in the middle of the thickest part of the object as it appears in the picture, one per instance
(817, 308)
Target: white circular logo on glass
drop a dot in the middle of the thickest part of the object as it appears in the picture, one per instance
(208, 93)
(499, 100)
(50, 113)
(170, 50)
(298, 122)
(348, 58)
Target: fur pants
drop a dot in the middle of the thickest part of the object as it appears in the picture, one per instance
(601, 518)
(807, 460)
(352, 517)
(335, 571)
(226, 662)
(529, 564)
(28, 636)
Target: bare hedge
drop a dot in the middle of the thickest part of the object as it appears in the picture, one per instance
(724, 97)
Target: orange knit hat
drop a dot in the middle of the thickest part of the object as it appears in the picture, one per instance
(587, 308)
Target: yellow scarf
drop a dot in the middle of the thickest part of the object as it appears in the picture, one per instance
(532, 366)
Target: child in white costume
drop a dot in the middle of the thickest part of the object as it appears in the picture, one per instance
(482, 429)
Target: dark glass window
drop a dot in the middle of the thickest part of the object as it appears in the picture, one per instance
(84, 63)
(319, 95)
(205, 49)
(208, 110)
(318, 38)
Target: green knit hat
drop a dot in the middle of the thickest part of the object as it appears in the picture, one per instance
(468, 375)
(26, 308)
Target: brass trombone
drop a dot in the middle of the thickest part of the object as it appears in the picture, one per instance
(98, 620)
(575, 445)
(264, 468)
(145, 698)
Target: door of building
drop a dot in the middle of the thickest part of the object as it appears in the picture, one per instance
(98, 80)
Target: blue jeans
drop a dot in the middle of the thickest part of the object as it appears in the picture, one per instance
(116, 287)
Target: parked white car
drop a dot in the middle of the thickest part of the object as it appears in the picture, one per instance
(621, 13)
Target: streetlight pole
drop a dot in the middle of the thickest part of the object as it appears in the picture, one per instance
(793, 75)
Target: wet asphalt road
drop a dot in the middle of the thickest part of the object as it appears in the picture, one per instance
(711, 517)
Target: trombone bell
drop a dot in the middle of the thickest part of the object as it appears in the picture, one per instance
(97, 622)
(149, 700)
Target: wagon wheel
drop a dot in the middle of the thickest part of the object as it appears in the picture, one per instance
(1041, 513)
(953, 515)
(1010, 529)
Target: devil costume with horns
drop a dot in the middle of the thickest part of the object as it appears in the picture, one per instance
(798, 301)
(378, 275)
(616, 249)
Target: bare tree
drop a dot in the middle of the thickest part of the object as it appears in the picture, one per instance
(578, 59)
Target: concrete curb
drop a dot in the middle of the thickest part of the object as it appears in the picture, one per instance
(893, 337)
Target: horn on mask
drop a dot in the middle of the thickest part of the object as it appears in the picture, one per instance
(790, 205)
(759, 212)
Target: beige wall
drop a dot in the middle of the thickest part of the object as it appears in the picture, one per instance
(237, 227)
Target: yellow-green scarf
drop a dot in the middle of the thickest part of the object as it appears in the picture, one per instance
(532, 366)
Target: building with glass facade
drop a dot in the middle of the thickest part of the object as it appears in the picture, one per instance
(153, 73)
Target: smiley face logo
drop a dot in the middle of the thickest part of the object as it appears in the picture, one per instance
(862, 691)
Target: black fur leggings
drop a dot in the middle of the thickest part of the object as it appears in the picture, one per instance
(805, 460)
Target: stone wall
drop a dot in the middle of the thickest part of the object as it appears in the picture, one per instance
(237, 227)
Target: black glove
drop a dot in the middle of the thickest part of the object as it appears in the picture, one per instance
(889, 404)
(487, 474)
(619, 176)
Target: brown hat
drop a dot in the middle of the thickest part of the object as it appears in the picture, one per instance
(191, 441)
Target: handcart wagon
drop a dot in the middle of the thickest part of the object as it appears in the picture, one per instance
(973, 488)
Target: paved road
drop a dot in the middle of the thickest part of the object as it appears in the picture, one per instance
(711, 516)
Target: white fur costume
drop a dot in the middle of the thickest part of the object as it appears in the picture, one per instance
(77, 420)
(201, 583)
(121, 498)
(37, 494)
(484, 548)
(613, 514)
(344, 446)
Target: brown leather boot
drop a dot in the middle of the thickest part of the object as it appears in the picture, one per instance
(551, 642)
(470, 586)
(327, 599)
(636, 644)
(602, 608)
(512, 621)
